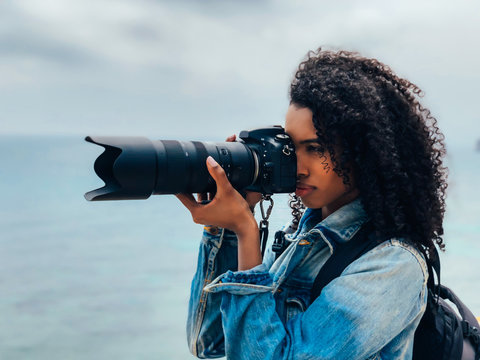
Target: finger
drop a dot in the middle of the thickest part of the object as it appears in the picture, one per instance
(187, 200)
(218, 174)
(231, 138)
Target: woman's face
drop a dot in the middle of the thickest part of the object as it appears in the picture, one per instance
(317, 184)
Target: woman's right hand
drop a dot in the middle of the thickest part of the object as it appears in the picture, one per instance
(251, 197)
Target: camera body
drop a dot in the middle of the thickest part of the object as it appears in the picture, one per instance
(277, 163)
(263, 160)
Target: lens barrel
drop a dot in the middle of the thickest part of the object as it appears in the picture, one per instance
(135, 167)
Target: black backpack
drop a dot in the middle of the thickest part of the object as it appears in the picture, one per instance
(441, 334)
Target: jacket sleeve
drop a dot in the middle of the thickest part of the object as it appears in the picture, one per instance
(355, 316)
(217, 254)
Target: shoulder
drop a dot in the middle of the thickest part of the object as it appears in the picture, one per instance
(395, 272)
(400, 252)
(395, 263)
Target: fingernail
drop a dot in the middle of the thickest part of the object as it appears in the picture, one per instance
(211, 161)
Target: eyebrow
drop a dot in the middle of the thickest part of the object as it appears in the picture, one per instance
(309, 141)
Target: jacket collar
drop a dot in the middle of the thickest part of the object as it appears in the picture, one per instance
(339, 226)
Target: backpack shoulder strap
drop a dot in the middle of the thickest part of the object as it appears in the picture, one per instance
(344, 254)
(433, 264)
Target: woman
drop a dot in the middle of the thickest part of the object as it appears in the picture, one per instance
(366, 150)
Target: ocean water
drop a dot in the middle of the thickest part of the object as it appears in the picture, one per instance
(110, 280)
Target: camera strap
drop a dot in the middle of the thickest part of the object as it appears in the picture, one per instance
(263, 225)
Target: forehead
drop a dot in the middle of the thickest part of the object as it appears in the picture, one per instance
(299, 123)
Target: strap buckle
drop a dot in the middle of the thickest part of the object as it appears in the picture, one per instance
(471, 332)
(279, 243)
(263, 226)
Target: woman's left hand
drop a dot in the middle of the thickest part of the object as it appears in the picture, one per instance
(228, 209)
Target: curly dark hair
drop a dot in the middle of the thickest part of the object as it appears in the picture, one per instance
(391, 143)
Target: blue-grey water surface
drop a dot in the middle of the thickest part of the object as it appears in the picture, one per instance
(110, 280)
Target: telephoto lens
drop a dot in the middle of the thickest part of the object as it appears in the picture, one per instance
(135, 167)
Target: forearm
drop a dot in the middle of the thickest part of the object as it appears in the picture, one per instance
(249, 254)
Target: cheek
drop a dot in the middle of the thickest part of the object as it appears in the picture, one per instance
(329, 184)
(332, 183)
(325, 167)
(323, 170)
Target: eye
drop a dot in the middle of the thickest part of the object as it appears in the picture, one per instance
(315, 149)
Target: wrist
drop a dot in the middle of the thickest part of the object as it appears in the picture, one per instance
(247, 228)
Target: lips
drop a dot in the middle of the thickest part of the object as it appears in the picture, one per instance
(303, 189)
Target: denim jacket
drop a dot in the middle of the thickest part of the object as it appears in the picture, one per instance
(370, 312)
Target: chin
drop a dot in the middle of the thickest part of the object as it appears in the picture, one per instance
(312, 204)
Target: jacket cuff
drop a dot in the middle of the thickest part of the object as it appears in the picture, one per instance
(217, 236)
(255, 280)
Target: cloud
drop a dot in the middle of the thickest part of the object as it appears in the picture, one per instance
(215, 61)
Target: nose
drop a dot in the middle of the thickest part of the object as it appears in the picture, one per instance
(302, 169)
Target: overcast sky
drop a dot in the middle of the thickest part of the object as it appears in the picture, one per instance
(199, 69)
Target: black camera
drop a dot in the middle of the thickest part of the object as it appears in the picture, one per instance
(263, 160)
